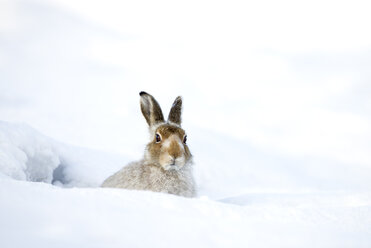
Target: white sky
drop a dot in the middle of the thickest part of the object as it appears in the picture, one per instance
(289, 77)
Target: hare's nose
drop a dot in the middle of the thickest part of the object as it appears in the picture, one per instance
(174, 150)
(172, 161)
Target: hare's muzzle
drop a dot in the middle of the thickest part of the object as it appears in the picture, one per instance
(172, 153)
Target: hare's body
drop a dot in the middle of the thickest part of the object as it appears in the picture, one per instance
(167, 163)
(142, 176)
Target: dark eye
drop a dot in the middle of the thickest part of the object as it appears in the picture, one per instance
(185, 139)
(158, 138)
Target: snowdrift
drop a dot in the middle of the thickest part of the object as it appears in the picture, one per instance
(41, 215)
(36, 212)
(27, 155)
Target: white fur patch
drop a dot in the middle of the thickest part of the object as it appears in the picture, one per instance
(174, 124)
(166, 143)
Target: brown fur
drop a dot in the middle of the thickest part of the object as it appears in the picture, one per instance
(150, 109)
(176, 111)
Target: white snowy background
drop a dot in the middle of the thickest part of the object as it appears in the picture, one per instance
(277, 107)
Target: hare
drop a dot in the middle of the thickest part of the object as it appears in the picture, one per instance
(167, 162)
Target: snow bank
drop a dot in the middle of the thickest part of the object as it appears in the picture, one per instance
(223, 166)
(25, 154)
(42, 215)
(39, 214)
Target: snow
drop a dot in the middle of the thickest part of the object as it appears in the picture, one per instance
(277, 110)
(27, 155)
(41, 215)
(45, 214)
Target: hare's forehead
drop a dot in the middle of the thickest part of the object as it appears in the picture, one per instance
(167, 130)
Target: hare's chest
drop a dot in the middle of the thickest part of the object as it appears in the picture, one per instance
(172, 182)
(163, 182)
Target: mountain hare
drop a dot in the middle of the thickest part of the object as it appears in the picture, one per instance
(167, 162)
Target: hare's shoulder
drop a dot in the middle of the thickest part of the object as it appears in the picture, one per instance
(130, 172)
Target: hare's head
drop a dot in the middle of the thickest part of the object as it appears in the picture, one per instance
(168, 146)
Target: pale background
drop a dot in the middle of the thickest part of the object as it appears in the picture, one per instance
(289, 78)
(276, 101)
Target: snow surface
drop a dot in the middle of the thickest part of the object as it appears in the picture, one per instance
(42, 215)
(27, 155)
(39, 214)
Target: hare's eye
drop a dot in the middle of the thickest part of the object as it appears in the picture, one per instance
(185, 139)
(158, 138)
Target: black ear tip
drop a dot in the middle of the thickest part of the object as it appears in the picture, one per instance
(142, 93)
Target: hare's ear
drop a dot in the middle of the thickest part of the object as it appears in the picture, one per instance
(175, 115)
(150, 109)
